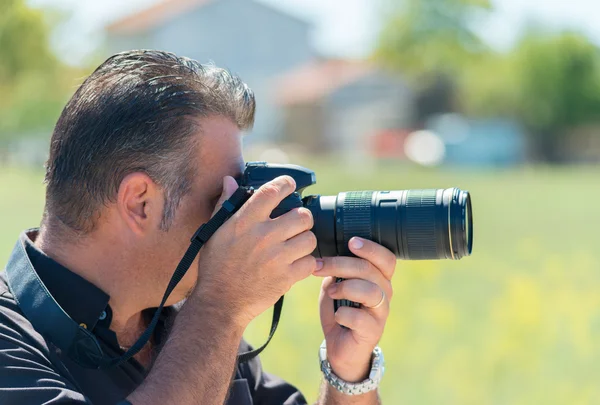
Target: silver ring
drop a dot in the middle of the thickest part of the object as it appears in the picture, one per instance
(380, 301)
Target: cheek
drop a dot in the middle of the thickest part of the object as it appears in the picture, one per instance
(191, 216)
(205, 213)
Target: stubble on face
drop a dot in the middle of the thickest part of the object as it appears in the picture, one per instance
(219, 154)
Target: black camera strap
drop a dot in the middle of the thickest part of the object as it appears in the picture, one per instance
(202, 235)
(82, 346)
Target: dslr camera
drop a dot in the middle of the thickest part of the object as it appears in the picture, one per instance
(414, 224)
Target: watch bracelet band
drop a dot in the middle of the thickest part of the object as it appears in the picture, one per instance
(348, 388)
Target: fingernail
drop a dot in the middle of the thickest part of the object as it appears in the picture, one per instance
(319, 264)
(356, 243)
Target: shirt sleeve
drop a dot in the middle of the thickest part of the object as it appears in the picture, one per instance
(265, 388)
(27, 375)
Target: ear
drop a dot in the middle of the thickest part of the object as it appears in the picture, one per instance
(140, 203)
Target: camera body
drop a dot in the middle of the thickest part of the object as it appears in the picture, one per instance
(258, 173)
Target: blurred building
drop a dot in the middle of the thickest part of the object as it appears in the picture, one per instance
(351, 108)
(484, 142)
(337, 105)
(250, 38)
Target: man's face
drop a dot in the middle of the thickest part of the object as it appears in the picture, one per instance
(219, 154)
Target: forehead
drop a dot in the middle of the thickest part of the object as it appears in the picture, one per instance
(220, 149)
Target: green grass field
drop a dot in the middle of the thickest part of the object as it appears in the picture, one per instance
(517, 323)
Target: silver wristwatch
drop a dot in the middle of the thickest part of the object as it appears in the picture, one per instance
(371, 383)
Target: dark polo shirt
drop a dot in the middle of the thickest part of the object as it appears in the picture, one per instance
(34, 371)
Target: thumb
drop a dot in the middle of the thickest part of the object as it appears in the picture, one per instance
(326, 310)
(229, 187)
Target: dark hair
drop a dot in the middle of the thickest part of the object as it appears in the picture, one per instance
(136, 113)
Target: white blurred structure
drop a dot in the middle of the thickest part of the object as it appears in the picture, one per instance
(252, 39)
(425, 148)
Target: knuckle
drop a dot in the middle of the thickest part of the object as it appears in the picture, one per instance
(269, 190)
(337, 262)
(240, 225)
(375, 291)
(273, 258)
(363, 266)
(290, 276)
(306, 217)
(288, 280)
(355, 319)
(263, 237)
(287, 182)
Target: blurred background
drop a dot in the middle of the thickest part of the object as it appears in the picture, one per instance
(499, 97)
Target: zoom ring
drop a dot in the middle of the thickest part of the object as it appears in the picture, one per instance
(356, 222)
(420, 224)
(357, 215)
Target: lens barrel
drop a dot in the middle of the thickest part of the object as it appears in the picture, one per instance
(414, 224)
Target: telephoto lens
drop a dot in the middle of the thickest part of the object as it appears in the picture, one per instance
(414, 224)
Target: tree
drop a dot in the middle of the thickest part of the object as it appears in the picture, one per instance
(431, 36)
(431, 41)
(33, 84)
(550, 82)
(23, 41)
(559, 86)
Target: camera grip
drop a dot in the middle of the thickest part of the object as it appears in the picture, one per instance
(287, 204)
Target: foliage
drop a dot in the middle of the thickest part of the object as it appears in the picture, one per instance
(23, 41)
(429, 36)
(431, 41)
(33, 83)
(559, 80)
(549, 82)
(516, 323)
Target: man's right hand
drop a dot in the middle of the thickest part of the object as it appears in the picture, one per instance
(252, 260)
(245, 267)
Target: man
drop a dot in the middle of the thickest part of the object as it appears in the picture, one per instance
(145, 151)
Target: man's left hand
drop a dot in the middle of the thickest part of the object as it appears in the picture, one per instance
(368, 281)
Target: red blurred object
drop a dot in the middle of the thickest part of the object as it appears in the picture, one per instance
(389, 143)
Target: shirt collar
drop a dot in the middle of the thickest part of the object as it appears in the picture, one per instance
(81, 300)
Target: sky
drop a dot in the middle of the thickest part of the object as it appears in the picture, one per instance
(346, 28)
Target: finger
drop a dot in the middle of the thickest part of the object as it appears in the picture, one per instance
(268, 197)
(326, 308)
(302, 268)
(229, 187)
(361, 291)
(381, 257)
(364, 326)
(301, 245)
(293, 223)
(355, 268)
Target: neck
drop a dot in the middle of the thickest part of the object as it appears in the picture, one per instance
(108, 270)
